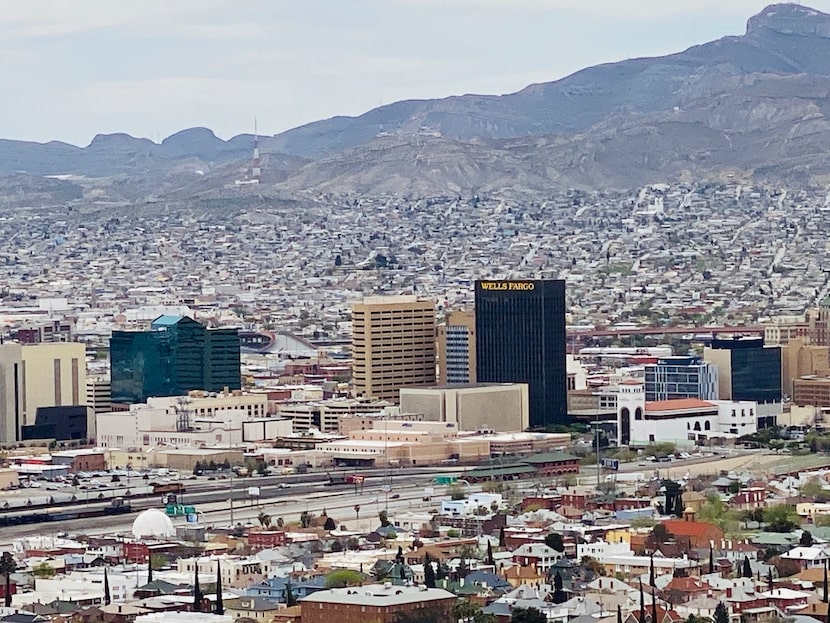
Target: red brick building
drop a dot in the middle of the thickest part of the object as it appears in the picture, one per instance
(266, 539)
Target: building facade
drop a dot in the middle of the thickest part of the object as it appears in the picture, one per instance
(33, 376)
(12, 388)
(749, 371)
(799, 360)
(457, 349)
(98, 394)
(175, 356)
(54, 376)
(672, 378)
(520, 338)
(812, 391)
(379, 603)
(393, 345)
(495, 407)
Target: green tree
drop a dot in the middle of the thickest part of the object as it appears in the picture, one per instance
(343, 578)
(806, 539)
(554, 541)
(467, 611)
(780, 518)
(7, 567)
(329, 525)
(661, 534)
(456, 492)
(429, 572)
(558, 589)
(532, 615)
(674, 498)
(714, 511)
(721, 613)
(264, 519)
(290, 600)
(44, 570)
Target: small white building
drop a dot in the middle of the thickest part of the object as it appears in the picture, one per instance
(684, 421)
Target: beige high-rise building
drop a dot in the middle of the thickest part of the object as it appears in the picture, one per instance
(799, 359)
(54, 375)
(779, 330)
(457, 349)
(11, 393)
(38, 375)
(393, 345)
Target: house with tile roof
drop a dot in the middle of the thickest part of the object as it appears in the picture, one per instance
(698, 534)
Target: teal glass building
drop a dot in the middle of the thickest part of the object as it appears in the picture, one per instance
(175, 356)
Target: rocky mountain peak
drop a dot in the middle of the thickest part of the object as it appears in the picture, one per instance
(790, 19)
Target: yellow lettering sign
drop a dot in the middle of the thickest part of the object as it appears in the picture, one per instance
(525, 286)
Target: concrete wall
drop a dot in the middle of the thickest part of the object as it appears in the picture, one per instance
(502, 408)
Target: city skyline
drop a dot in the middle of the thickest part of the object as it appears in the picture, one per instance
(79, 69)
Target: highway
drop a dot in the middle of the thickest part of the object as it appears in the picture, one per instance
(212, 500)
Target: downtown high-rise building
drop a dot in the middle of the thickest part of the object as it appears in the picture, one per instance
(520, 338)
(177, 355)
(457, 349)
(393, 345)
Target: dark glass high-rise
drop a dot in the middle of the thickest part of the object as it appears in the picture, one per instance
(520, 338)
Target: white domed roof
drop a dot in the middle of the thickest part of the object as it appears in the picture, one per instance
(152, 523)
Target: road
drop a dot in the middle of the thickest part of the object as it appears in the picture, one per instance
(288, 503)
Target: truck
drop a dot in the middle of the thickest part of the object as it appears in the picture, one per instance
(167, 487)
(345, 479)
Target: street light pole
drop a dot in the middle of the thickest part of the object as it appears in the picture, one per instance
(596, 426)
(231, 499)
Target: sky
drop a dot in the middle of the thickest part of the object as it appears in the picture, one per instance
(72, 69)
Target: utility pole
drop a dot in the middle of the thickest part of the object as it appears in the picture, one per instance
(231, 499)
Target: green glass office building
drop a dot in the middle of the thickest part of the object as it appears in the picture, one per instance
(175, 356)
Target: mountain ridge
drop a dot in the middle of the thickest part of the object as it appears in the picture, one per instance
(756, 103)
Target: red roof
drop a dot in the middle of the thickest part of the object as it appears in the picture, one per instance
(680, 527)
(679, 404)
(687, 585)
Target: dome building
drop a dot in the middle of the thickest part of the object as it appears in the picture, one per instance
(153, 523)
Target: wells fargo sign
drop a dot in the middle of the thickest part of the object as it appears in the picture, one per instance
(522, 286)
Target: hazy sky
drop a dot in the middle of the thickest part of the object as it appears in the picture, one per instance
(75, 68)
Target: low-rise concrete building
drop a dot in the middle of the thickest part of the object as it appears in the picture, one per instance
(500, 407)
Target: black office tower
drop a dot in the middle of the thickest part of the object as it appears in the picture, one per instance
(520, 338)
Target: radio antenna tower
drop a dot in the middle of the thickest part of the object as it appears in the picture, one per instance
(255, 167)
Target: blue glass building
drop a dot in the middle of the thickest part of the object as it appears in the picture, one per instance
(175, 356)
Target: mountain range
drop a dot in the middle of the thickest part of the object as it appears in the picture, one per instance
(755, 106)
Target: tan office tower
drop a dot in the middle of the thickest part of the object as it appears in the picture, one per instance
(54, 376)
(12, 389)
(393, 345)
(457, 349)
